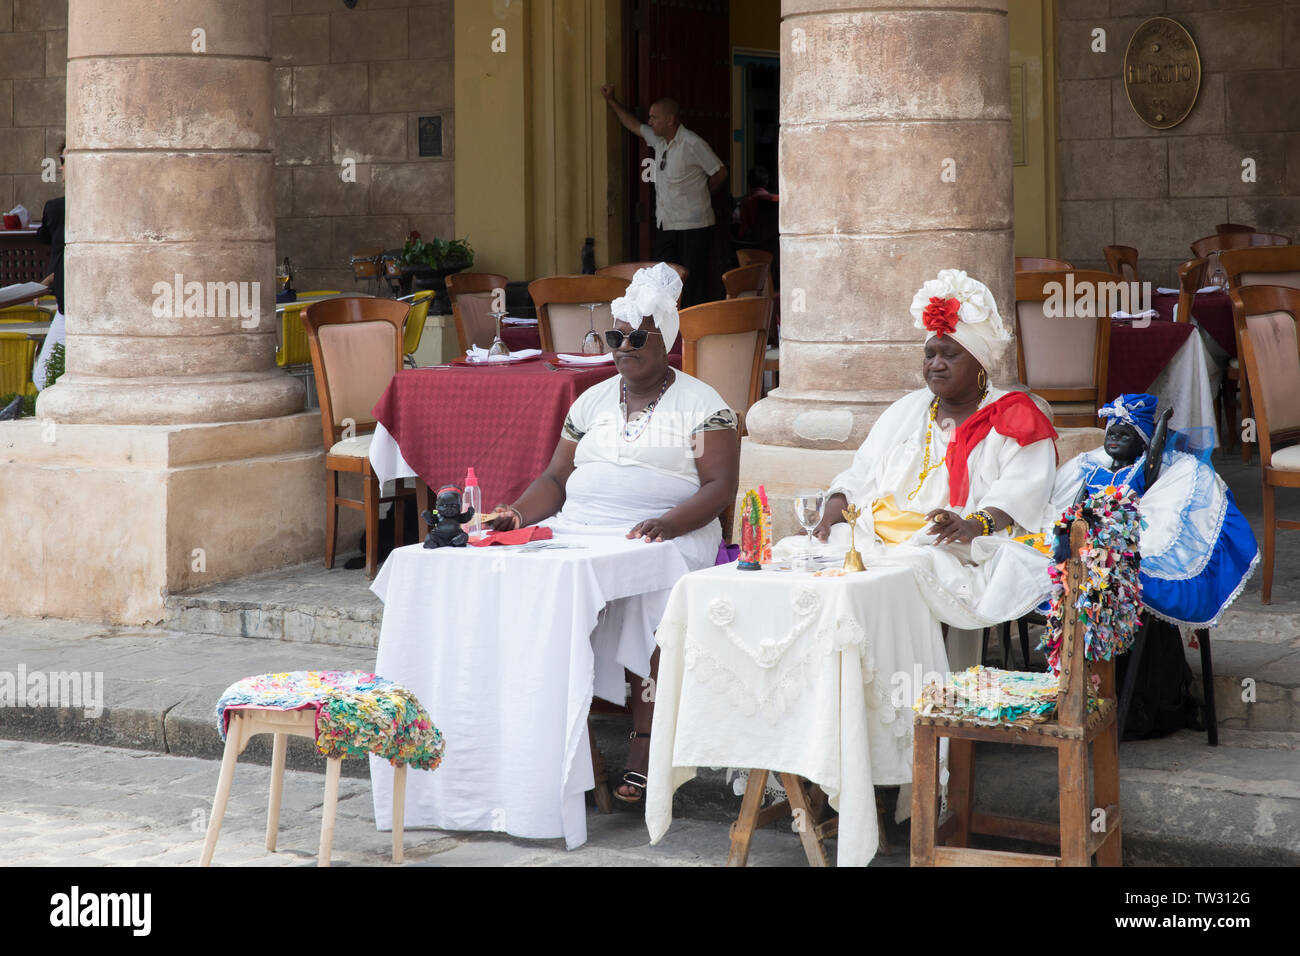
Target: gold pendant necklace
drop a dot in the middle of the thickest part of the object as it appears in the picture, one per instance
(926, 467)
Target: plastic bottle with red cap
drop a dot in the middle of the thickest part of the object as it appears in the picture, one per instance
(473, 498)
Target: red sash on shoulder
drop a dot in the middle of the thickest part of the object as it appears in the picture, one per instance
(1014, 415)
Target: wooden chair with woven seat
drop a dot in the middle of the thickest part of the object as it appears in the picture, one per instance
(415, 321)
(1263, 265)
(724, 344)
(1123, 261)
(562, 321)
(1042, 264)
(472, 295)
(627, 270)
(356, 349)
(772, 361)
(1063, 360)
(943, 840)
(1269, 346)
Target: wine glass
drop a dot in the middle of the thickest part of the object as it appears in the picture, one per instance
(808, 508)
(591, 342)
(1218, 275)
(282, 276)
(498, 347)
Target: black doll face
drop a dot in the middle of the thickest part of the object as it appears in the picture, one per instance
(449, 505)
(1123, 443)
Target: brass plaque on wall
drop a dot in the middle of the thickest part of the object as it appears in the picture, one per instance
(1162, 72)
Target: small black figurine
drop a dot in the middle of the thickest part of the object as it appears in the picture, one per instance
(444, 528)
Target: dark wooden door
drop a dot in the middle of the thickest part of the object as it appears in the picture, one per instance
(680, 50)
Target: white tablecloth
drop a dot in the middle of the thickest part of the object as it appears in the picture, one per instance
(1189, 383)
(497, 645)
(797, 674)
(386, 458)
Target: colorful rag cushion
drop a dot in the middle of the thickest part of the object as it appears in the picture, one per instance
(356, 713)
(988, 695)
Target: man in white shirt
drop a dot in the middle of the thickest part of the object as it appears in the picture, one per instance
(685, 173)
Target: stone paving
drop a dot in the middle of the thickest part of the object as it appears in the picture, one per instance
(77, 804)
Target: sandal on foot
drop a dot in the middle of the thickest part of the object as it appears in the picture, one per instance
(637, 781)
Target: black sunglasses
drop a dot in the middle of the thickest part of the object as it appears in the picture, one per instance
(663, 163)
(614, 338)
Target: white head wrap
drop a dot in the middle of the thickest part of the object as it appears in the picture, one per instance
(979, 328)
(653, 292)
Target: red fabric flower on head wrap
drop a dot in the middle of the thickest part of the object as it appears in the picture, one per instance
(940, 315)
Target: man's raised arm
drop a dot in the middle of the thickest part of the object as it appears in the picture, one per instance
(625, 117)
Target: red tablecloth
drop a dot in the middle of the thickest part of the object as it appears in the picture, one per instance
(1138, 355)
(1212, 311)
(520, 337)
(504, 421)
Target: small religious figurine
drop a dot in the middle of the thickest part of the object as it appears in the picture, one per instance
(751, 533)
(445, 527)
(853, 560)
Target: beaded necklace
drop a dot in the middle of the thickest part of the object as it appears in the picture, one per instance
(647, 413)
(926, 467)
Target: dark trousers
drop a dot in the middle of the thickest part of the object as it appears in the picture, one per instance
(691, 248)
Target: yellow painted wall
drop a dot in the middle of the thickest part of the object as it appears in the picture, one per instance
(1032, 44)
(534, 175)
(756, 24)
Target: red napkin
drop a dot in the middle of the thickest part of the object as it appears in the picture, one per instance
(518, 536)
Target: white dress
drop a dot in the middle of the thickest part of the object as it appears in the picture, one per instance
(619, 483)
(992, 579)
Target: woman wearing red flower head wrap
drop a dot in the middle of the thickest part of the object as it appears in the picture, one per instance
(950, 473)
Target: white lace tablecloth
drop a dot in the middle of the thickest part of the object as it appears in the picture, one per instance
(792, 673)
(1189, 383)
(497, 645)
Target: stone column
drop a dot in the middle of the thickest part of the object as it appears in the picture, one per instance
(169, 185)
(895, 163)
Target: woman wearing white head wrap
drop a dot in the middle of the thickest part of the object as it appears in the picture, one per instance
(651, 452)
(949, 472)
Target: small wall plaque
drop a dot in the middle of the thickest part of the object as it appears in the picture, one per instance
(1162, 73)
(430, 135)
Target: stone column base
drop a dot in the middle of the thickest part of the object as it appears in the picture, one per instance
(101, 522)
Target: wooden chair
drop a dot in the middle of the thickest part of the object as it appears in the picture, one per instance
(1233, 227)
(561, 320)
(1064, 360)
(1268, 344)
(748, 281)
(1265, 265)
(414, 331)
(471, 295)
(627, 270)
(1223, 241)
(17, 355)
(772, 360)
(1123, 261)
(752, 257)
(356, 349)
(943, 840)
(803, 801)
(724, 344)
(1039, 264)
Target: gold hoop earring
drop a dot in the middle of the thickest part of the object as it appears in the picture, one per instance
(982, 380)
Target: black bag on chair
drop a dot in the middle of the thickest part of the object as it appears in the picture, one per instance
(387, 524)
(1162, 695)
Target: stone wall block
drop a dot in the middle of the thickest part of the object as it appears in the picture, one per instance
(21, 55)
(6, 16)
(1279, 214)
(870, 299)
(298, 41)
(171, 197)
(1114, 169)
(40, 15)
(39, 102)
(431, 29)
(302, 140)
(1087, 227)
(1082, 9)
(321, 191)
(1074, 46)
(56, 53)
(369, 139)
(411, 188)
(808, 366)
(358, 36)
(33, 192)
(1263, 102)
(240, 28)
(128, 356)
(412, 85)
(889, 177)
(337, 88)
(1249, 37)
(351, 234)
(1085, 108)
(170, 103)
(117, 287)
(1166, 228)
(23, 151)
(1212, 166)
(882, 66)
(282, 91)
(307, 243)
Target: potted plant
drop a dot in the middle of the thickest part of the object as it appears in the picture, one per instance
(426, 265)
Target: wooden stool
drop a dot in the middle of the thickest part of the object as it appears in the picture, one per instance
(1070, 733)
(801, 797)
(248, 722)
